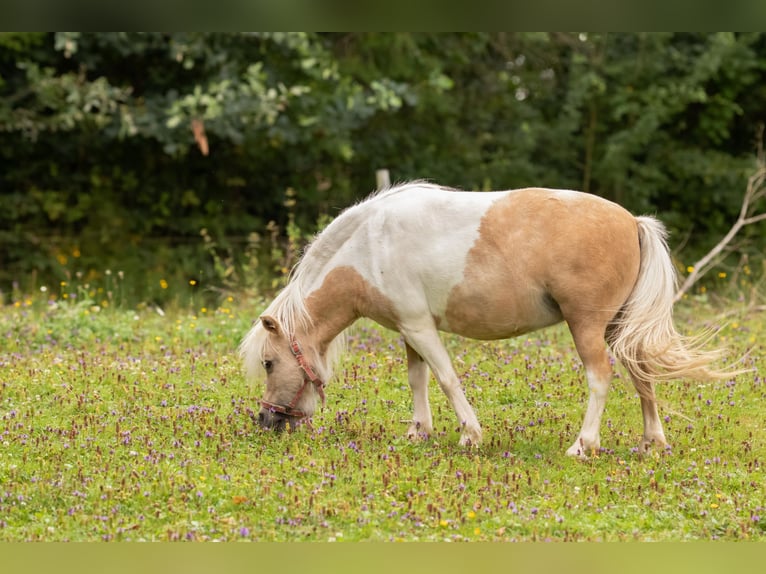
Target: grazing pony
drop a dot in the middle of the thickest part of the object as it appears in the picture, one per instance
(420, 259)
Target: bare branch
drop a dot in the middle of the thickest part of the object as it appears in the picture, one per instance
(755, 219)
(754, 192)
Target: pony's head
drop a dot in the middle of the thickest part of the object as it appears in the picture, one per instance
(292, 385)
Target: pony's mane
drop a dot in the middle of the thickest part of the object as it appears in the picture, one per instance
(289, 306)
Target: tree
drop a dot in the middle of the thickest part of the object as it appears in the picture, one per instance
(122, 147)
(99, 129)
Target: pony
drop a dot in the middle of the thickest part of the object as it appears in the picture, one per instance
(419, 258)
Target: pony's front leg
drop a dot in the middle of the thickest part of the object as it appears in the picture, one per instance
(425, 342)
(417, 373)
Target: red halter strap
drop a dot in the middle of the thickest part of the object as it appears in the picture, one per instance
(309, 378)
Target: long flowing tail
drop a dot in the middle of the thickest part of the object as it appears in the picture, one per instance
(642, 335)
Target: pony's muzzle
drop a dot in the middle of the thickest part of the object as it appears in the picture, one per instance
(269, 419)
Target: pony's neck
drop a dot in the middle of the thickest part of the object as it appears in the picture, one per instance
(344, 297)
(331, 310)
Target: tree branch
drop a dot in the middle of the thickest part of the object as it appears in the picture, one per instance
(754, 192)
(754, 219)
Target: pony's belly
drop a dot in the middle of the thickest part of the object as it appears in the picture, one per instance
(490, 317)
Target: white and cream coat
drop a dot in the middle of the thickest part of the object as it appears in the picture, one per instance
(419, 258)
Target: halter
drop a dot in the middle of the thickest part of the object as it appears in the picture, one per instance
(309, 378)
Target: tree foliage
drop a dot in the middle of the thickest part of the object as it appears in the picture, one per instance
(118, 149)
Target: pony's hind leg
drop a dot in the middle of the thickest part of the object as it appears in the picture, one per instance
(654, 435)
(425, 341)
(417, 373)
(592, 350)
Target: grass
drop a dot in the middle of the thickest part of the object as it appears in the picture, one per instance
(128, 425)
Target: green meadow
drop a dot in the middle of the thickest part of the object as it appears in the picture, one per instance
(137, 425)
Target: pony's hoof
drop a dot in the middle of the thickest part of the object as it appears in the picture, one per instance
(577, 452)
(470, 438)
(580, 449)
(649, 446)
(418, 432)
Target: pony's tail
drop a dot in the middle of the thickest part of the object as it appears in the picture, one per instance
(642, 335)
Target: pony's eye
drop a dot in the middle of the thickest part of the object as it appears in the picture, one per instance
(268, 366)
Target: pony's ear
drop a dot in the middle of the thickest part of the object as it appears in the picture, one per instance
(271, 324)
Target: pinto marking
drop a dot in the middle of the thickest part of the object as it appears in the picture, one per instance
(363, 300)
